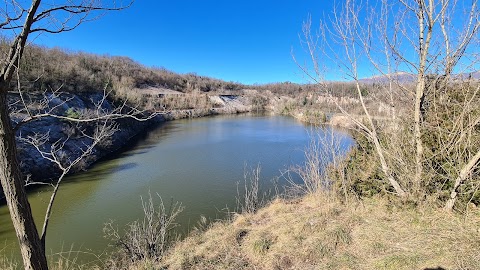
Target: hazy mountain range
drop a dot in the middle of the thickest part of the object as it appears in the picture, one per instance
(405, 77)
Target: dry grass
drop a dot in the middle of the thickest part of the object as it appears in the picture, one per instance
(148, 239)
(318, 232)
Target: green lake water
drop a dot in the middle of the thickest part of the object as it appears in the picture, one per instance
(197, 162)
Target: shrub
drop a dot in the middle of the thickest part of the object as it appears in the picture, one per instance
(146, 239)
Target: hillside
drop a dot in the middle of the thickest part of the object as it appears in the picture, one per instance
(51, 69)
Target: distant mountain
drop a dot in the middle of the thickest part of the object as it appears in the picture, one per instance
(397, 76)
(473, 75)
(405, 77)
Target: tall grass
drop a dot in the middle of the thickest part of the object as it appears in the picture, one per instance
(248, 197)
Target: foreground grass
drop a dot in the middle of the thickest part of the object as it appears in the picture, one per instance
(320, 233)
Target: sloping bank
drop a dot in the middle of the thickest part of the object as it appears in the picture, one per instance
(321, 232)
(54, 130)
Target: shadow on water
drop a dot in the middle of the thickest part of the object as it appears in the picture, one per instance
(100, 171)
(142, 142)
(138, 145)
(124, 167)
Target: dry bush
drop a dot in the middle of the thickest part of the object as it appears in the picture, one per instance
(69, 260)
(324, 151)
(146, 239)
(248, 197)
(195, 100)
(6, 263)
(452, 137)
(64, 260)
(259, 102)
(360, 175)
(295, 90)
(415, 81)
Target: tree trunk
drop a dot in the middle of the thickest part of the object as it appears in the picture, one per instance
(13, 187)
(419, 95)
(466, 170)
(378, 148)
(385, 168)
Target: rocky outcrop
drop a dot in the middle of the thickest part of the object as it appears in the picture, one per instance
(224, 104)
(231, 104)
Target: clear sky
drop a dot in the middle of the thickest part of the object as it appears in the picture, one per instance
(245, 41)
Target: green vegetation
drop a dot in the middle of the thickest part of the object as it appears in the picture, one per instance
(50, 69)
(72, 113)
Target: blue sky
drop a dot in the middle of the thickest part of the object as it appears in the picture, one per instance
(244, 41)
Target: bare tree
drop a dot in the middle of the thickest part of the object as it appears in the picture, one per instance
(347, 31)
(20, 22)
(416, 48)
(94, 127)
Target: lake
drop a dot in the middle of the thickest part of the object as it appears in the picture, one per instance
(196, 162)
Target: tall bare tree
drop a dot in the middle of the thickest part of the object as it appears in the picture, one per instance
(416, 48)
(19, 22)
